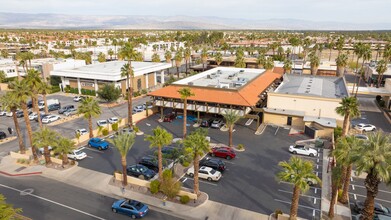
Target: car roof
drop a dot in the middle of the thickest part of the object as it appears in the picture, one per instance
(206, 168)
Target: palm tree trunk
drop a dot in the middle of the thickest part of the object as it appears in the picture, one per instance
(343, 176)
(345, 126)
(90, 127)
(46, 104)
(334, 194)
(160, 161)
(346, 184)
(29, 130)
(46, 154)
(124, 173)
(177, 71)
(196, 182)
(372, 185)
(65, 160)
(36, 109)
(129, 102)
(22, 148)
(184, 118)
(186, 66)
(230, 135)
(355, 79)
(295, 203)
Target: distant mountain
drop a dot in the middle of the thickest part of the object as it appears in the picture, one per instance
(62, 21)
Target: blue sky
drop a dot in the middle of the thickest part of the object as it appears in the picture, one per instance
(355, 11)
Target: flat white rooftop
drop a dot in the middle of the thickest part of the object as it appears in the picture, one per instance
(222, 77)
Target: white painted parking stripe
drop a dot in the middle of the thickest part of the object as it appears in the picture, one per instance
(303, 206)
(353, 187)
(313, 213)
(92, 149)
(184, 180)
(284, 191)
(89, 157)
(311, 187)
(355, 197)
(383, 191)
(54, 202)
(376, 199)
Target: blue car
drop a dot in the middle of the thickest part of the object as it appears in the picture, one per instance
(131, 208)
(98, 143)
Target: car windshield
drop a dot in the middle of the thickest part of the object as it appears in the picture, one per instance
(143, 169)
(78, 152)
(213, 171)
(138, 205)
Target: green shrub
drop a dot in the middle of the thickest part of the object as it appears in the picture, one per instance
(382, 103)
(144, 91)
(185, 199)
(240, 146)
(277, 213)
(337, 133)
(340, 194)
(137, 93)
(155, 186)
(105, 132)
(114, 126)
(378, 98)
(67, 89)
(169, 186)
(167, 174)
(136, 129)
(185, 163)
(55, 89)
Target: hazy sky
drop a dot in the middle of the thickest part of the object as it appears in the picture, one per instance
(357, 11)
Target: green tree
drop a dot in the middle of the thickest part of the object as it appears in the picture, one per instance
(123, 143)
(44, 89)
(178, 61)
(287, 66)
(349, 109)
(185, 93)
(336, 176)
(342, 62)
(101, 57)
(373, 158)
(218, 58)
(34, 81)
(3, 76)
(64, 146)
(204, 58)
(110, 52)
(314, 63)
(7, 211)
(231, 117)
(366, 55)
(297, 171)
(168, 56)
(159, 139)
(45, 138)
(196, 145)
(187, 55)
(90, 108)
(155, 58)
(381, 69)
(109, 92)
(268, 64)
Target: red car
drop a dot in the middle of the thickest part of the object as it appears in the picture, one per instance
(224, 152)
(169, 118)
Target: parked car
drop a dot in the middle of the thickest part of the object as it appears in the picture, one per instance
(41, 150)
(213, 163)
(139, 108)
(77, 154)
(101, 123)
(113, 120)
(150, 162)
(131, 208)
(50, 118)
(361, 136)
(71, 111)
(127, 130)
(43, 115)
(19, 114)
(81, 131)
(149, 106)
(224, 152)
(98, 143)
(365, 127)
(9, 114)
(207, 123)
(65, 108)
(303, 150)
(54, 107)
(33, 116)
(2, 135)
(217, 123)
(169, 118)
(140, 171)
(78, 98)
(378, 209)
(3, 112)
(375, 217)
(205, 173)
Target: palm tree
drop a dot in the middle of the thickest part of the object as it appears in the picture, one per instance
(297, 171)
(314, 63)
(178, 61)
(373, 158)
(21, 92)
(90, 108)
(231, 117)
(64, 146)
(261, 59)
(349, 109)
(204, 57)
(45, 138)
(7, 211)
(155, 58)
(123, 143)
(168, 56)
(381, 69)
(44, 89)
(196, 145)
(339, 44)
(342, 61)
(128, 53)
(187, 55)
(110, 52)
(269, 63)
(287, 66)
(10, 102)
(366, 55)
(218, 58)
(34, 81)
(358, 50)
(185, 93)
(239, 61)
(159, 139)
(336, 174)
(378, 48)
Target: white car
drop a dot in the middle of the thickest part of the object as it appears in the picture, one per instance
(9, 114)
(77, 154)
(138, 108)
(42, 150)
(81, 131)
(101, 123)
(33, 115)
(50, 118)
(3, 113)
(71, 111)
(365, 127)
(78, 98)
(205, 173)
(113, 120)
(303, 149)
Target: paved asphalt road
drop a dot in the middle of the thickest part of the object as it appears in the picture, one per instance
(42, 198)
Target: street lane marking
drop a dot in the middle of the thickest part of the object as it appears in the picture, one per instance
(376, 199)
(313, 213)
(313, 197)
(303, 206)
(54, 202)
(314, 202)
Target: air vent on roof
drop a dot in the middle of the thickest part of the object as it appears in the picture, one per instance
(190, 83)
(307, 91)
(219, 72)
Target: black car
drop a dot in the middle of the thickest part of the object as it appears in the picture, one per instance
(2, 135)
(65, 108)
(54, 107)
(150, 162)
(378, 209)
(207, 123)
(19, 114)
(140, 171)
(214, 163)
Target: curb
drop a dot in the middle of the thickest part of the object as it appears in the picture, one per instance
(20, 174)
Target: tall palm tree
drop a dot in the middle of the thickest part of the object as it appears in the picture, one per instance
(110, 52)
(44, 138)
(128, 53)
(90, 108)
(342, 62)
(381, 69)
(196, 145)
(187, 55)
(340, 44)
(44, 89)
(373, 158)
(123, 143)
(269, 63)
(168, 56)
(204, 57)
(34, 81)
(314, 63)
(64, 146)
(8, 212)
(349, 109)
(378, 48)
(218, 58)
(261, 59)
(160, 138)
(10, 102)
(185, 93)
(155, 58)
(358, 50)
(287, 66)
(297, 171)
(366, 55)
(231, 117)
(178, 61)
(21, 92)
(336, 174)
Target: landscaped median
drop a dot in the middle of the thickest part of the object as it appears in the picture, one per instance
(8, 139)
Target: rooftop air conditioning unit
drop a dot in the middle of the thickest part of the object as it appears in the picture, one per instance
(219, 72)
(190, 83)
(208, 76)
(241, 71)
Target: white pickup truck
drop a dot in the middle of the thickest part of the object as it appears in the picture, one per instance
(41, 104)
